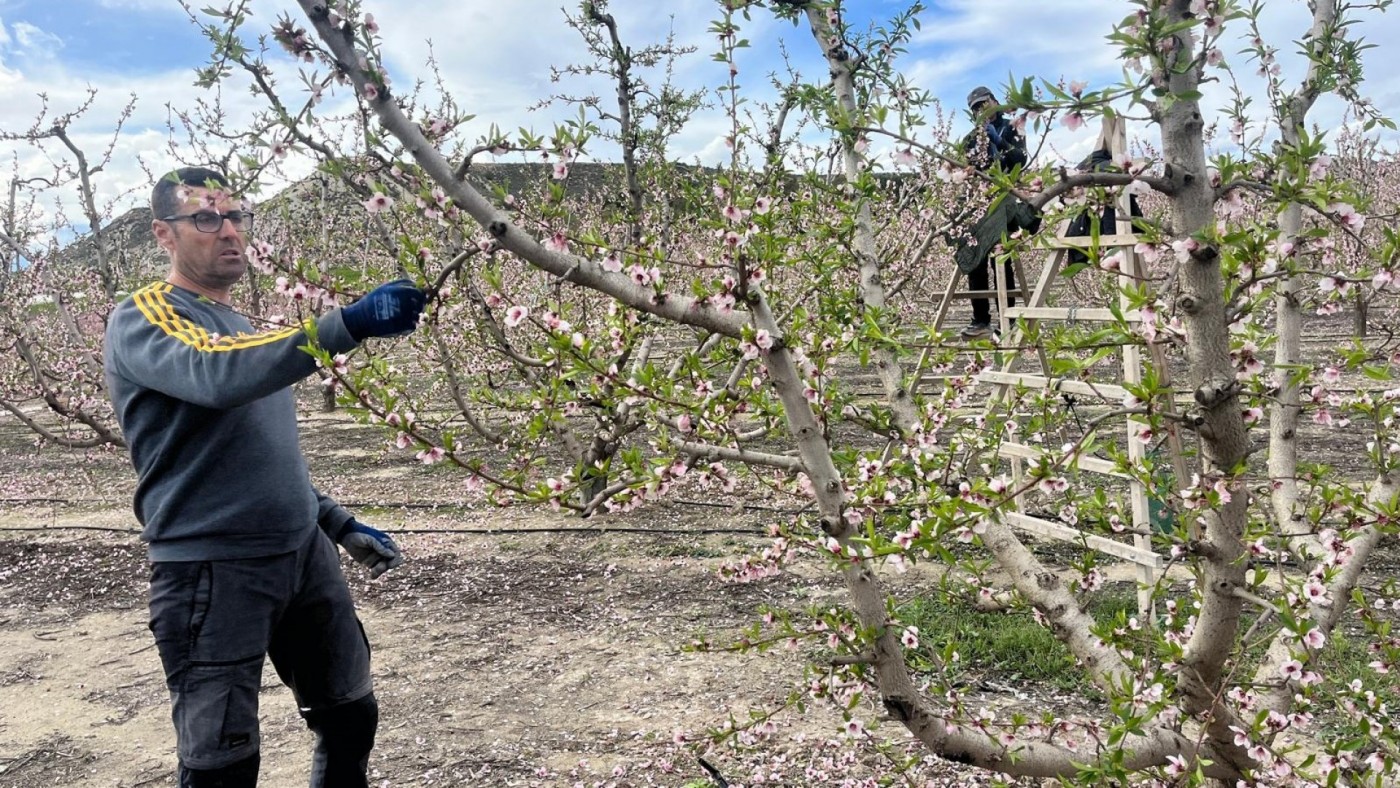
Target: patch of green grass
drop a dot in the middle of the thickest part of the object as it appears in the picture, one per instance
(1008, 644)
(1348, 656)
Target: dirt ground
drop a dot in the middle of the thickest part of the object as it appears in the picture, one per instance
(516, 658)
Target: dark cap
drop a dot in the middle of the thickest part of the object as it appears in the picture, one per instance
(979, 95)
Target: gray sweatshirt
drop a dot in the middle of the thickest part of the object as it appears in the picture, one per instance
(207, 410)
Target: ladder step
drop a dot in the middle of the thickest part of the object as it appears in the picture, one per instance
(1092, 464)
(987, 294)
(1107, 390)
(1070, 313)
(1054, 530)
(1085, 242)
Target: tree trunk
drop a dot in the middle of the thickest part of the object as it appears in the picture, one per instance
(1211, 373)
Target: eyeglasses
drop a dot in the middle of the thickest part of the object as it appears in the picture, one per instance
(210, 222)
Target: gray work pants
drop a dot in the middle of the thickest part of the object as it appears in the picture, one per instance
(215, 621)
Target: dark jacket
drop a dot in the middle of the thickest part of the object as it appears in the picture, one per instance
(1082, 225)
(1007, 216)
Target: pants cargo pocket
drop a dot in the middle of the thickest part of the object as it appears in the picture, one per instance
(216, 713)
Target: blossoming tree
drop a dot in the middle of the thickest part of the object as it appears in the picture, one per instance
(684, 324)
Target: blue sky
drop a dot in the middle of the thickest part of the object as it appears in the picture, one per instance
(495, 57)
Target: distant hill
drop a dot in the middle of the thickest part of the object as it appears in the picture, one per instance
(133, 249)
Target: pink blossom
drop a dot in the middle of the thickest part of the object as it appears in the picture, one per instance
(379, 202)
(1314, 638)
(370, 25)
(910, 637)
(1348, 216)
(371, 91)
(1074, 120)
(557, 242)
(1291, 669)
(763, 339)
(904, 157)
(516, 315)
(732, 213)
(1184, 248)
(561, 170)
(612, 263)
(762, 205)
(1314, 590)
(431, 456)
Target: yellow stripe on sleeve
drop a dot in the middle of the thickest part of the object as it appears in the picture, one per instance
(152, 303)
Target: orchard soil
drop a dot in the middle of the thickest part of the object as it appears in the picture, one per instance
(516, 647)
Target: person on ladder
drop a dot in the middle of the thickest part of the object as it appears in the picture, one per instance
(993, 142)
(1082, 225)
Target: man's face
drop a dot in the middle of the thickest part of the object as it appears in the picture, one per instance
(983, 110)
(213, 260)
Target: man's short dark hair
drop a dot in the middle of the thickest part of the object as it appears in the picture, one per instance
(165, 198)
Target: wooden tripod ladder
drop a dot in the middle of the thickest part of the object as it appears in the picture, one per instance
(1006, 378)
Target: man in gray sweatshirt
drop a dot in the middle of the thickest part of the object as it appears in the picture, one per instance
(242, 547)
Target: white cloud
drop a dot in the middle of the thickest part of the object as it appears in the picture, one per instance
(35, 42)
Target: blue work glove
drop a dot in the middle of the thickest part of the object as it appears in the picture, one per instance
(390, 310)
(370, 546)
